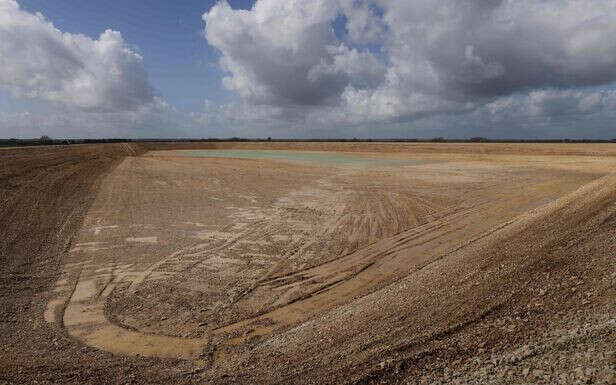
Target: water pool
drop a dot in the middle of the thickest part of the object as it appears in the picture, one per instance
(324, 157)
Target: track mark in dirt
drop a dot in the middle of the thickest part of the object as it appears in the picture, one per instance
(151, 240)
(53, 306)
(143, 275)
(369, 254)
(129, 149)
(97, 229)
(311, 291)
(265, 269)
(84, 318)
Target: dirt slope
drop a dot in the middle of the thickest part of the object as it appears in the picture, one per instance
(531, 299)
(44, 194)
(533, 302)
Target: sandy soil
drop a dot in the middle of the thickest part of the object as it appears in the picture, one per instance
(479, 263)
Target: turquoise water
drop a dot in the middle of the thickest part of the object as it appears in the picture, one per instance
(325, 158)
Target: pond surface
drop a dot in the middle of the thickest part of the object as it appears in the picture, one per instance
(324, 157)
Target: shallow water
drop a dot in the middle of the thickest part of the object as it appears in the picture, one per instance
(325, 158)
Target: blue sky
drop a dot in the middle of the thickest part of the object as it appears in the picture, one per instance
(182, 67)
(308, 68)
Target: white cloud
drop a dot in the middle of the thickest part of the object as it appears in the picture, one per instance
(426, 57)
(156, 119)
(496, 47)
(436, 64)
(73, 71)
(363, 24)
(286, 53)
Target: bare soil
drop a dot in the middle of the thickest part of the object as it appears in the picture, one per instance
(438, 263)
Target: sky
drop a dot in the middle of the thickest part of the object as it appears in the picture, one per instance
(308, 68)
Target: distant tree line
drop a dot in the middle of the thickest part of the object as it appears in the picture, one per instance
(46, 140)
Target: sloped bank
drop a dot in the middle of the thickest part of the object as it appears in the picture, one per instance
(44, 194)
(532, 302)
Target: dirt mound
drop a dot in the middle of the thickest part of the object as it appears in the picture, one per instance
(532, 302)
(44, 194)
(486, 267)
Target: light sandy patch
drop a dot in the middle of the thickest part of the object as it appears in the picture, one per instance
(197, 224)
(213, 234)
(52, 309)
(98, 229)
(220, 262)
(152, 240)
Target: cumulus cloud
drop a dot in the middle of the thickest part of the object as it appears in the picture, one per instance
(286, 52)
(39, 61)
(553, 103)
(150, 121)
(331, 66)
(405, 60)
(496, 47)
(362, 22)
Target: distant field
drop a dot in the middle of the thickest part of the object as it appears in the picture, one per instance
(306, 262)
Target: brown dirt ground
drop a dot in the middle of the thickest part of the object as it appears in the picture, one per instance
(479, 263)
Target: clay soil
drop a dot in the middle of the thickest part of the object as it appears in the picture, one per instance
(364, 263)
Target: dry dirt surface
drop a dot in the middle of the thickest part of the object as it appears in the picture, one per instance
(363, 263)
